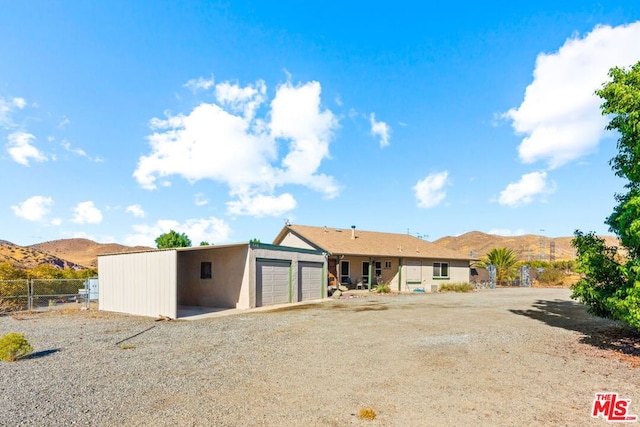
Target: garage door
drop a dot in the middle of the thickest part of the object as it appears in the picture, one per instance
(309, 281)
(272, 282)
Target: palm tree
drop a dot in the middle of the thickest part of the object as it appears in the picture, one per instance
(505, 261)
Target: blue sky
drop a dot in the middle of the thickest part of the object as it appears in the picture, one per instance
(121, 120)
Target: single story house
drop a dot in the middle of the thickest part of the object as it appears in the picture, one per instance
(170, 281)
(360, 259)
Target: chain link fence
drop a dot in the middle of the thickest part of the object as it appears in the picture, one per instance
(46, 294)
(14, 295)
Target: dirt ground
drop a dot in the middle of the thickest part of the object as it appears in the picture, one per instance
(503, 357)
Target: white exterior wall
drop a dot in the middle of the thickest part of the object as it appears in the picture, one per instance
(294, 241)
(139, 283)
(458, 273)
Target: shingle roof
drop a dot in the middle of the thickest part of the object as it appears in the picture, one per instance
(369, 243)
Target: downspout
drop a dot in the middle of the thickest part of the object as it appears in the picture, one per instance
(399, 274)
(325, 275)
(290, 282)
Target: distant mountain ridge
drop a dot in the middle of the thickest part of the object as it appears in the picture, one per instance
(64, 253)
(83, 251)
(26, 257)
(527, 247)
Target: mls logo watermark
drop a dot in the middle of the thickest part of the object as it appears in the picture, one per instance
(612, 408)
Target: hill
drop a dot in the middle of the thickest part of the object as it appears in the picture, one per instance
(26, 257)
(527, 247)
(83, 252)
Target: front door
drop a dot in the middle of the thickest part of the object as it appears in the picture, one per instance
(365, 273)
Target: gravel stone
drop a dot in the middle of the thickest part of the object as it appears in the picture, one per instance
(499, 357)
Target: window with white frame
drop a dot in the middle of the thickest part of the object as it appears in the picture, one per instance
(387, 265)
(440, 270)
(378, 266)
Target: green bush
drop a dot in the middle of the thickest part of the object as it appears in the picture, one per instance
(457, 287)
(551, 276)
(382, 288)
(14, 346)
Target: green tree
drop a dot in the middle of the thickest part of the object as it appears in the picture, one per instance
(172, 239)
(611, 283)
(204, 243)
(505, 261)
(9, 272)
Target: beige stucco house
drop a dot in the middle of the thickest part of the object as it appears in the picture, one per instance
(360, 259)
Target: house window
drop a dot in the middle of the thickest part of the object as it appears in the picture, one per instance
(440, 270)
(387, 265)
(344, 272)
(205, 270)
(378, 266)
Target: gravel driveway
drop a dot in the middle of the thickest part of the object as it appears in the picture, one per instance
(504, 357)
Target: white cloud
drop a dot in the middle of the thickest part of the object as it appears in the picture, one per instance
(87, 213)
(507, 232)
(7, 106)
(245, 100)
(19, 103)
(136, 210)
(200, 200)
(430, 191)
(380, 130)
(21, 149)
(296, 115)
(225, 142)
(526, 190)
(212, 230)
(63, 123)
(79, 151)
(560, 114)
(34, 209)
(262, 205)
(194, 85)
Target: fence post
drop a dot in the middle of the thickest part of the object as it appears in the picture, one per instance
(29, 294)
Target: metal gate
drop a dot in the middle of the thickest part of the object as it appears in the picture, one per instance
(273, 282)
(309, 281)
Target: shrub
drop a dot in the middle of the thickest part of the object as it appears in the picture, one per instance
(13, 346)
(367, 414)
(457, 287)
(382, 288)
(551, 276)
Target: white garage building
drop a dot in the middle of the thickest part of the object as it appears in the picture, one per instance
(174, 281)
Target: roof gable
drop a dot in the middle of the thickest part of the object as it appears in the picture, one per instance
(368, 243)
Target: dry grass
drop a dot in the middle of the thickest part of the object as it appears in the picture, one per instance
(367, 414)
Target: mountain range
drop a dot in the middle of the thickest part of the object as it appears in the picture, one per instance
(83, 253)
(65, 253)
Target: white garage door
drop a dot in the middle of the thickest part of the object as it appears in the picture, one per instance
(272, 282)
(309, 281)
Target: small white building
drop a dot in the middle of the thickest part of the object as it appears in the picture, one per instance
(166, 282)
